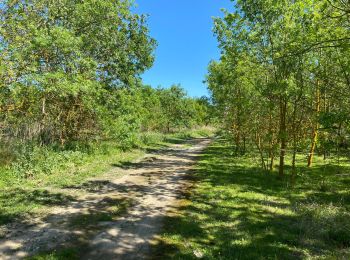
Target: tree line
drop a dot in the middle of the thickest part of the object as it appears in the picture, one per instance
(70, 71)
(283, 80)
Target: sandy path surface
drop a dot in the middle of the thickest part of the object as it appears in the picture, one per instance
(153, 184)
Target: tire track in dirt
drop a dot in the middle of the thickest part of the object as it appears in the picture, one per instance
(160, 183)
(153, 186)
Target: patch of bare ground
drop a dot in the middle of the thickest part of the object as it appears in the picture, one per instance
(117, 216)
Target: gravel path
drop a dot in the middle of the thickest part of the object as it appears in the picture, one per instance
(154, 185)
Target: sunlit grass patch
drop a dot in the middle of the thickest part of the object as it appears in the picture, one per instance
(21, 198)
(237, 211)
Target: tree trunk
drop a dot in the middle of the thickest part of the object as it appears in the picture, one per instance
(293, 165)
(271, 144)
(295, 142)
(282, 133)
(272, 162)
(258, 145)
(238, 141)
(325, 110)
(316, 127)
(244, 145)
(43, 106)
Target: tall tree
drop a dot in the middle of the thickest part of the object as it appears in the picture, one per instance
(278, 53)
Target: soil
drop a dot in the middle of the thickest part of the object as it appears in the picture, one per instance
(148, 188)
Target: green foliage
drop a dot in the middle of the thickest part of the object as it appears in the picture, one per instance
(34, 161)
(237, 211)
(70, 76)
(18, 203)
(26, 185)
(63, 62)
(150, 138)
(64, 254)
(282, 81)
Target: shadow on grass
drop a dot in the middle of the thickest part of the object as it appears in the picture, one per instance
(159, 148)
(89, 218)
(173, 140)
(66, 232)
(147, 162)
(14, 201)
(107, 210)
(239, 212)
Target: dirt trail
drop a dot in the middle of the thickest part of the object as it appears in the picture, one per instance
(153, 185)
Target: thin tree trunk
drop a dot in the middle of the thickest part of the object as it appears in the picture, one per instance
(258, 144)
(283, 137)
(272, 162)
(271, 144)
(316, 127)
(295, 143)
(293, 165)
(238, 141)
(244, 145)
(43, 106)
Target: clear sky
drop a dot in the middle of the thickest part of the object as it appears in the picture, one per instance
(186, 44)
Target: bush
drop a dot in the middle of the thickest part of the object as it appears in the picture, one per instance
(7, 154)
(328, 222)
(148, 138)
(32, 161)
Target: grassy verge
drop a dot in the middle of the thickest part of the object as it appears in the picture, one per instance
(33, 183)
(153, 139)
(21, 197)
(236, 211)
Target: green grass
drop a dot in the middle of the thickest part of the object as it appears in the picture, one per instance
(36, 181)
(16, 203)
(155, 139)
(63, 254)
(22, 197)
(47, 167)
(237, 211)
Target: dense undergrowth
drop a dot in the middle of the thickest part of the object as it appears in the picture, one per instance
(28, 182)
(238, 211)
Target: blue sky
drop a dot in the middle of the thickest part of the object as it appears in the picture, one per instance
(183, 29)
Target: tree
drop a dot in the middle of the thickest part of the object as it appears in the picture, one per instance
(272, 80)
(61, 61)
